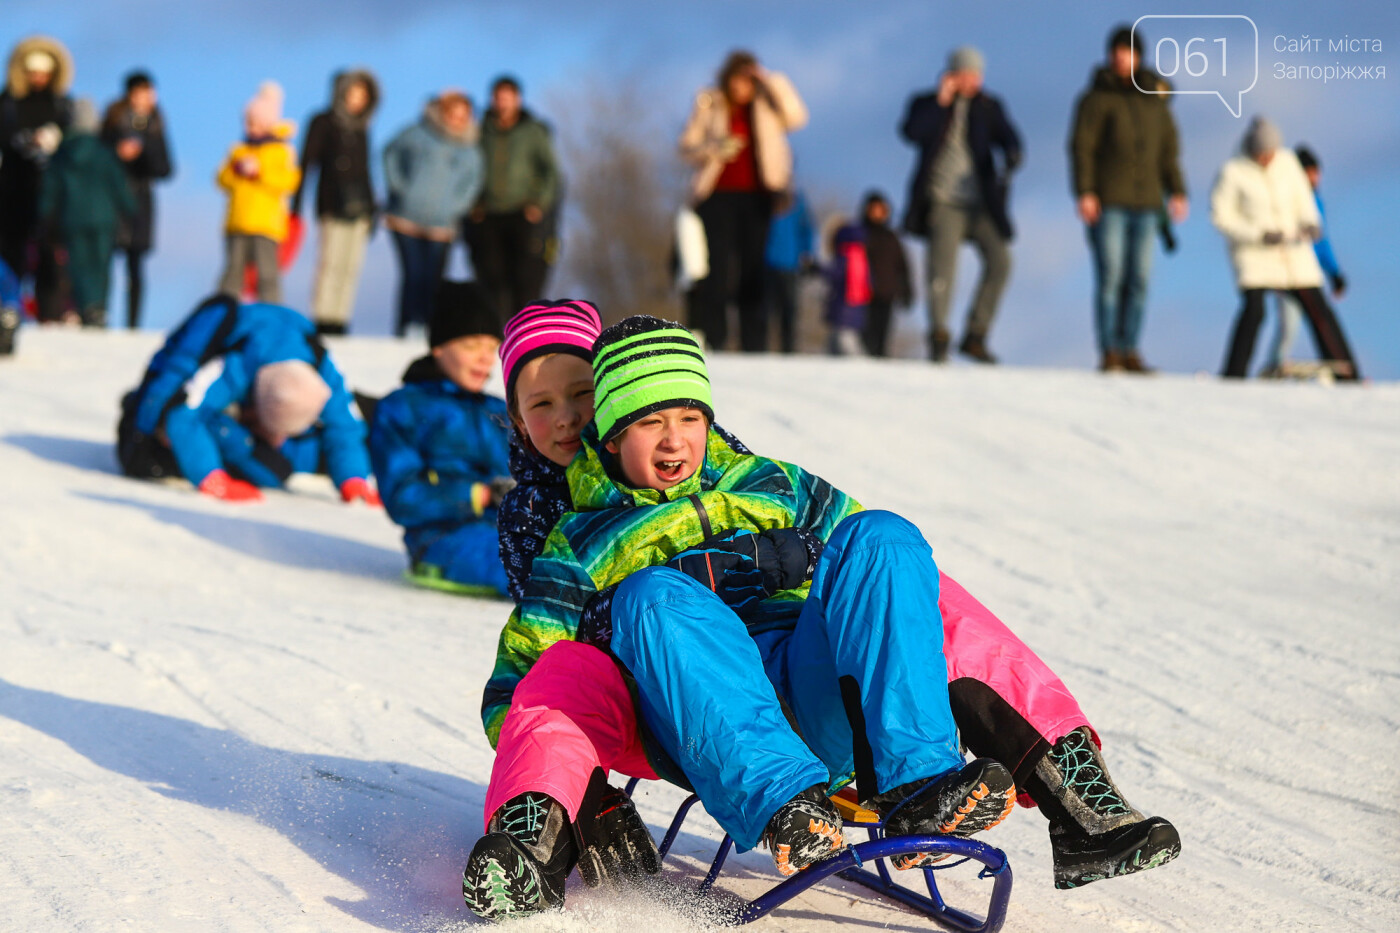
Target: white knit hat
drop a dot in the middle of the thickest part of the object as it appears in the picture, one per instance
(288, 397)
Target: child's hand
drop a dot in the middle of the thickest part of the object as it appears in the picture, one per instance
(247, 167)
(222, 486)
(357, 487)
(595, 624)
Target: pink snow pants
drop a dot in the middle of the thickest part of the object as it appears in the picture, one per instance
(572, 712)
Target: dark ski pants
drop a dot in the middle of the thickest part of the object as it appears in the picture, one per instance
(508, 256)
(877, 327)
(421, 262)
(1327, 332)
(870, 629)
(780, 290)
(135, 285)
(736, 231)
(89, 268)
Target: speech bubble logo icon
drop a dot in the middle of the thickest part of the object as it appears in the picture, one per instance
(1201, 54)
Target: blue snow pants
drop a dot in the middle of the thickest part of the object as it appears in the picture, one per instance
(709, 691)
(470, 555)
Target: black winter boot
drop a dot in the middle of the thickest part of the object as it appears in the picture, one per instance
(9, 326)
(518, 868)
(614, 843)
(975, 797)
(1094, 832)
(805, 830)
(974, 347)
(938, 345)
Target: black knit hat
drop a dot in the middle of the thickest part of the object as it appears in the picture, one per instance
(1307, 158)
(461, 309)
(1124, 35)
(138, 78)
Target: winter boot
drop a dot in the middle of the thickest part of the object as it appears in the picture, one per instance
(805, 830)
(95, 316)
(9, 326)
(1134, 363)
(519, 866)
(975, 797)
(614, 843)
(938, 345)
(974, 347)
(1111, 362)
(1094, 832)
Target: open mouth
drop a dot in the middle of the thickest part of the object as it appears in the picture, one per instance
(669, 470)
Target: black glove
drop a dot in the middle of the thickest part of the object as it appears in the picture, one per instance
(1339, 285)
(1273, 237)
(744, 566)
(595, 624)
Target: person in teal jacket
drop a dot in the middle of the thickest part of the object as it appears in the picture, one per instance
(85, 196)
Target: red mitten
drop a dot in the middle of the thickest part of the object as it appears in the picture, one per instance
(222, 486)
(356, 487)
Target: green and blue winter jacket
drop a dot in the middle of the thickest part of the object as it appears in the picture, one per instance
(616, 530)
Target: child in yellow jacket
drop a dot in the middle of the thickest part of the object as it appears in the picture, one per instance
(259, 175)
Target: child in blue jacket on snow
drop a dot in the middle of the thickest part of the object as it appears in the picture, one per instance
(240, 397)
(441, 448)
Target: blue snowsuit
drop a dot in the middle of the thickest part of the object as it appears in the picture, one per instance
(430, 442)
(711, 684)
(208, 364)
(9, 287)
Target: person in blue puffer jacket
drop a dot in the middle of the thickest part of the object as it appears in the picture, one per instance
(241, 396)
(440, 448)
(433, 170)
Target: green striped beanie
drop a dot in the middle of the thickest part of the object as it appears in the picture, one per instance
(642, 365)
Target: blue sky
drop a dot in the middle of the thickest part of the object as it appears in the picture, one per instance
(856, 63)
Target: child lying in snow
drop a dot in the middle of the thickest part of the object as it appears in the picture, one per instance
(440, 446)
(1008, 703)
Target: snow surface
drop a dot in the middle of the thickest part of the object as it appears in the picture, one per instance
(224, 717)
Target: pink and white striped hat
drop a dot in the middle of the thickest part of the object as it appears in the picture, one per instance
(551, 327)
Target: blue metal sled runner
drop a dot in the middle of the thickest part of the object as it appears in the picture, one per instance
(855, 864)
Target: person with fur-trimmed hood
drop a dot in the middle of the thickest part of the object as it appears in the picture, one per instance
(35, 111)
(337, 147)
(134, 127)
(433, 170)
(440, 449)
(259, 175)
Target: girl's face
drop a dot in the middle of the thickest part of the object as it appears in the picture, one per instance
(554, 400)
(662, 449)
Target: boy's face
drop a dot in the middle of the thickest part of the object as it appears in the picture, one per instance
(663, 448)
(468, 360)
(554, 400)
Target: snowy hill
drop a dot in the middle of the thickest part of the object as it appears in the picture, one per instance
(218, 717)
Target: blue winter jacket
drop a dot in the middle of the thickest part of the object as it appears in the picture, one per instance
(433, 178)
(247, 457)
(790, 236)
(208, 365)
(430, 442)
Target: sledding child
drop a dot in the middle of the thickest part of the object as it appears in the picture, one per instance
(242, 397)
(259, 175)
(1007, 702)
(440, 448)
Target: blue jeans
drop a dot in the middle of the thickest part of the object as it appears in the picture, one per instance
(709, 692)
(421, 262)
(1122, 243)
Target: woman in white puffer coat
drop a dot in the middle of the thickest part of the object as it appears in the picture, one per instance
(1264, 206)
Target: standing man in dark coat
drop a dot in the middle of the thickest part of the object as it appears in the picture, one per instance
(135, 129)
(958, 193)
(337, 146)
(889, 273)
(35, 111)
(1123, 153)
(507, 229)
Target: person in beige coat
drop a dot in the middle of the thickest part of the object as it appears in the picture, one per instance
(1264, 206)
(736, 138)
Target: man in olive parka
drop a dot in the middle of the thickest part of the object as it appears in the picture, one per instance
(1124, 158)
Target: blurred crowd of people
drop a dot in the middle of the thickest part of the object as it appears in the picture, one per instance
(76, 187)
